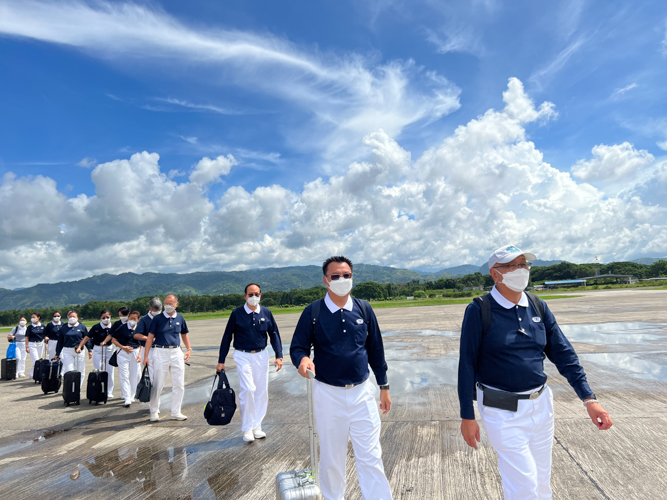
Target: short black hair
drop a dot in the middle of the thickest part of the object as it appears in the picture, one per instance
(135, 313)
(245, 292)
(36, 314)
(335, 258)
(104, 311)
(124, 310)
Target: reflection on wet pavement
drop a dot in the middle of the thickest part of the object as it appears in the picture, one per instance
(636, 364)
(616, 333)
(421, 333)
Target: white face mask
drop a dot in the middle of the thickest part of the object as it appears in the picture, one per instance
(34, 321)
(341, 286)
(106, 321)
(516, 280)
(72, 321)
(123, 319)
(56, 320)
(155, 313)
(22, 322)
(253, 301)
(132, 323)
(169, 309)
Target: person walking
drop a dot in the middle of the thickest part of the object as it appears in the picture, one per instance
(18, 335)
(34, 340)
(501, 363)
(52, 332)
(163, 352)
(141, 331)
(129, 356)
(346, 339)
(69, 346)
(100, 338)
(249, 325)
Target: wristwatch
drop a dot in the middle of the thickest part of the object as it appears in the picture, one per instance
(384, 387)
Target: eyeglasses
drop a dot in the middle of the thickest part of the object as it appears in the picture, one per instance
(253, 294)
(514, 267)
(336, 277)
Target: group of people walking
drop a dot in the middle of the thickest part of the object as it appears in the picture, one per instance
(505, 338)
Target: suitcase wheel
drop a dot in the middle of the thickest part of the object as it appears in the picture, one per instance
(90, 401)
(66, 404)
(46, 392)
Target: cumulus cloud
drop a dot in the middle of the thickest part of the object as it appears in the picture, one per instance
(484, 185)
(87, 162)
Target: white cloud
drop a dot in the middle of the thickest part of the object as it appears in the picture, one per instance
(662, 145)
(208, 170)
(87, 162)
(190, 140)
(347, 96)
(542, 76)
(200, 107)
(618, 93)
(482, 186)
(456, 40)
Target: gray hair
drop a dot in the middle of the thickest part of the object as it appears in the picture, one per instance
(171, 295)
(155, 304)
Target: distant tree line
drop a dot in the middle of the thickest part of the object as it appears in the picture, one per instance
(370, 290)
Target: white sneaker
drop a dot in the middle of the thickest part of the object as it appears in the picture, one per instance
(155, 417)
(248, 436)
(179, 416)
(258, 433)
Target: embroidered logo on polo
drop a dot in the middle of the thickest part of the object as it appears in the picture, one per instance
(537, 319)
(262, 319)
(178, 323)
(360, 321)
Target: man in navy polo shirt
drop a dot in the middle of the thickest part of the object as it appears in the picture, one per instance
(345, 335)
(504, 365)
(163, 352)
(249, 325)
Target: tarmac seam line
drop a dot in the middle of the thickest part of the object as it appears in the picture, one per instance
(590, 478)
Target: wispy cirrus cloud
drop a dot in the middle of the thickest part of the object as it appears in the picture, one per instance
(200, 107)
(619, 93)
(542, 76)
(456, 40)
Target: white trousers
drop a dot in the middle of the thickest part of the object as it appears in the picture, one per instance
(101, 354)
(21, 356)
(523, 441)
(51, 348)
(253, 372)
(349, 413)
(36, 349)
(164, 361)
(74, 362)
(128, 368)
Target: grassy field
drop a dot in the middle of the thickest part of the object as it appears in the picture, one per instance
(387, 304)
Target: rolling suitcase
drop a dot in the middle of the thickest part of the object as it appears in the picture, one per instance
(8, 369)
(72, 388)
(96, 389)
(51, 378)
(303, 484)
(40, 365)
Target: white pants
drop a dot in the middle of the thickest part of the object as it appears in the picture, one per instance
(21, 356)
(74, 362)
(101, 354)
(253, 372)
(51, 348)
(523, 441)
(128, 368)
(349, 413)
(162, 362)
(36, 349)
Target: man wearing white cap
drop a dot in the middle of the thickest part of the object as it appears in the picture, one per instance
(504, 339)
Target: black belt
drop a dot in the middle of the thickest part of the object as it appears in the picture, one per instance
(250, 352)
(504, 400)
(166, 346)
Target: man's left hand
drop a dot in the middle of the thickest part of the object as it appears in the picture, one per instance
(599, 416)
(187, 355)
(90, 355)
(385, 401)
(278, 364)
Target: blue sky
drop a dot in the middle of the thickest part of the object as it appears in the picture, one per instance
(439, 131)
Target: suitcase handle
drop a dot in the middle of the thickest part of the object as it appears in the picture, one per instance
(314, 462)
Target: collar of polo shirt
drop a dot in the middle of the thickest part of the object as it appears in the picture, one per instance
(334, 308)
(523, 302)
(169, 317)
(250, 311)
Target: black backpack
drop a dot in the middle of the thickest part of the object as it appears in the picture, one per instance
(220, 409)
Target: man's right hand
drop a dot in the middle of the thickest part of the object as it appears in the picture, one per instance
(470, 432)
(220, 367)
(145, 360)
(305, 365)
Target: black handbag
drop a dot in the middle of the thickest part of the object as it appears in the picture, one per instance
(220, 409)
(144, 387)
(113, 360)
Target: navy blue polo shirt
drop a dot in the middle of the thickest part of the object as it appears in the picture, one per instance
(250, 330)
(35, 333)
(116, 325)
(52, 331)
(167, 330)
(509, 360)
(71, 336)
(344, 344)
(142, 327)
(125, 336)
(98, 333)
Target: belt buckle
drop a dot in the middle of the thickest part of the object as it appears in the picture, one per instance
(534, 395)
(253, 352)
(349, 386)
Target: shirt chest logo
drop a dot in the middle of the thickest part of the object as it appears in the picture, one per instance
(261, 320)
(536, 319)
(360, 321)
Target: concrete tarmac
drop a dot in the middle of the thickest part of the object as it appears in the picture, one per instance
(108, 451)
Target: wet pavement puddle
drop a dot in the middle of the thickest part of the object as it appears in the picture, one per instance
(616, 333)
(635, 365)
